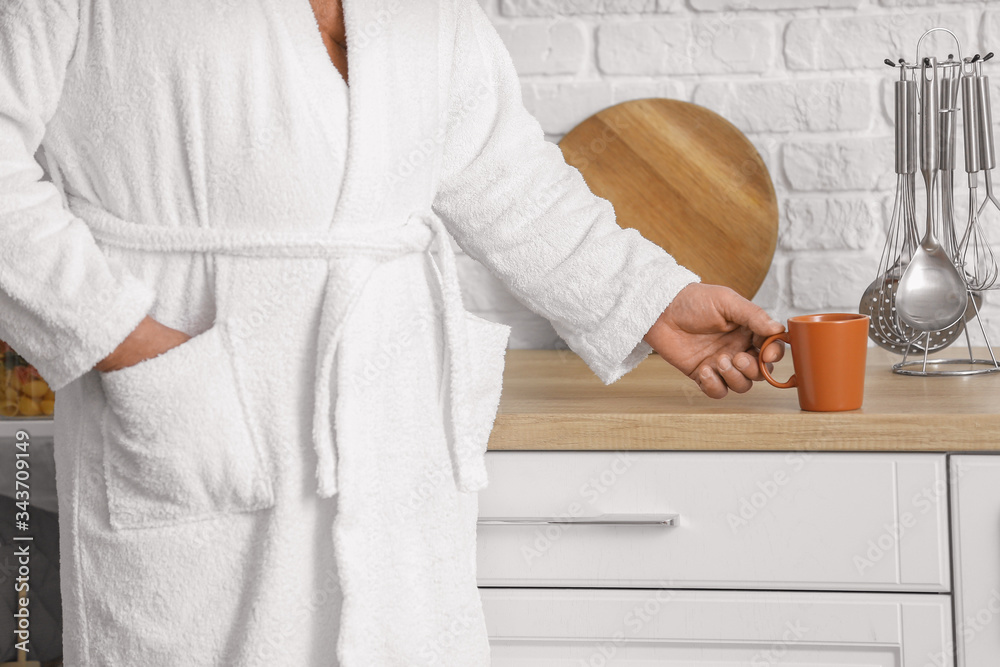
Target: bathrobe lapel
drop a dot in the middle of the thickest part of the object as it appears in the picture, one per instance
(392, 156)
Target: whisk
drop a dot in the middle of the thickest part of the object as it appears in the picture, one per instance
(878, 301)
(981, 268)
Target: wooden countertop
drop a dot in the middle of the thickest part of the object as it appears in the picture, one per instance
(552, 400)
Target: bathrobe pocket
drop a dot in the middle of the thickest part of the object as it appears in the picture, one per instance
(177, 442)
(487, 352)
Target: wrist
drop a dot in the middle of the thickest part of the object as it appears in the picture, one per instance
(655, 331)
(651, 334)
(118, 357)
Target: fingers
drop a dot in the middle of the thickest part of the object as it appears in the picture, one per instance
(747, 365)
(751, 369)
(735, 377)
(773, 352)
(737, 373)
(736, 309)
(710, 382)
(716, 379)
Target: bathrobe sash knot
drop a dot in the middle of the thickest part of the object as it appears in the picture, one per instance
(423, 232)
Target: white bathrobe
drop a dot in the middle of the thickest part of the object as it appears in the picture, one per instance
(296, 484)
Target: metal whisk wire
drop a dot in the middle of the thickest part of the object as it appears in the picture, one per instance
(980, 262)
(981, 270)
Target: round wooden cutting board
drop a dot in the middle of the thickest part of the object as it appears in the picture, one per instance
(688, 180)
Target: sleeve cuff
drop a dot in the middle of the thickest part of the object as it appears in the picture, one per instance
(616, 346)
(109, 319)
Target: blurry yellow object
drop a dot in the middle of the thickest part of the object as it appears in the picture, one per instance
(35, 388)
(28, 407)
(23, 391)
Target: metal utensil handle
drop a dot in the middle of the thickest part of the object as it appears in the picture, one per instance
(930, 128)
(987, 156)
(930, 119)
(949, 118)
(970, 120)
(906, 125)
(602, 519)
(949, 240)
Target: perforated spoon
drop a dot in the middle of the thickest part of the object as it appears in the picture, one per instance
(932, 294)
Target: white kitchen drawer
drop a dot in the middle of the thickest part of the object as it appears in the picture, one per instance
(670, 628)
(747, 520)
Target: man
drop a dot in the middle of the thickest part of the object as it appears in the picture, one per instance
(272, 407)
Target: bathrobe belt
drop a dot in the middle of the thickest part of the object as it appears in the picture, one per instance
(378, 245)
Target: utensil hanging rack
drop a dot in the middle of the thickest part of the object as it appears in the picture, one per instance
(965, 89)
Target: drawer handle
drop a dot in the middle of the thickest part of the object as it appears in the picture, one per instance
(603, 519)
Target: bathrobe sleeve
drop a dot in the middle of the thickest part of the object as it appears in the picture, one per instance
(512, 203)
(63, 307)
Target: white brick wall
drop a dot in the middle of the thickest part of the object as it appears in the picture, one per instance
(803, 79)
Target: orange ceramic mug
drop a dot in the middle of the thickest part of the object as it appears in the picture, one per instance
(829, 352)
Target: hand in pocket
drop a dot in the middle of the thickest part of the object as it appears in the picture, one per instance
(148, 340)
(179, 444)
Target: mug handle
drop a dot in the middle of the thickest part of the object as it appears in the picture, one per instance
(763, 367)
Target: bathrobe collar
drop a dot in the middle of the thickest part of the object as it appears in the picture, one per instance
(390, 45)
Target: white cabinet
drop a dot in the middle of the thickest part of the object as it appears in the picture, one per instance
(771, 558)
(976, 543)
(745, 520)
(670, 628)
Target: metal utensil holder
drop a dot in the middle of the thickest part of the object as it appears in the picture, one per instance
(965, 85)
